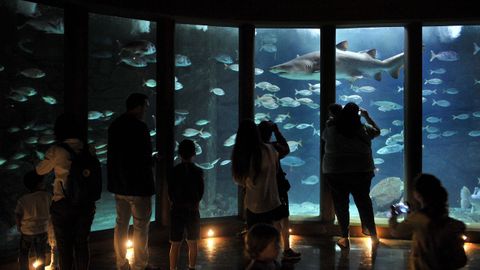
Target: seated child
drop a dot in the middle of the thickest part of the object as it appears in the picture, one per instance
(263, 246)
(32, 215)
(185, 191)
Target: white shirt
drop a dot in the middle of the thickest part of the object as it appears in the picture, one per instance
(34, 209)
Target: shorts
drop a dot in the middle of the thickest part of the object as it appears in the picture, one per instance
(182, 221)
(267, 217)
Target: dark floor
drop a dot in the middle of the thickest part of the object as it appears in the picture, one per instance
(317, 253)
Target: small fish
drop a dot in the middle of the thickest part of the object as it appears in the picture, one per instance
(179, 119)
(133, 61)
(437, 71)
(292, 161)
(233, 67)
(363, 89)
(476, 114)
(433, 119)
(182, 61)
(378, 161)
(293, 145)
(476, 48)
(433, 136)
(281, 117)
(449, 133)
(181, 112)
(46, 139)
(311, 180)
(33, 73)
(441, 103)
(428, 92)
(390, 149)
(150, 83)
(2, 161)
(462, 116)
(352, 98)
(304, 92)
(316, 86)
(202, 122)
(304, 126)
(444, 56)
(451, 91)
(399, 89)
(385, 131)
(224, 58)
(262, 85)
(12, 166)
(94, 115)
(13, 129)
(31, 140)
(50, 100)
(474, 133)
(217, 91)
(230, 140)
(205, 135)
(431, 129)
(190, 132)
(397, 123)
(19, 155)
(434, 81)
(475, 81)
(17, 97)
(258, 71)
(153, 132)
(108, 113)
(2, 68)
(24, 91)
(137, 47)
(289, 126)
(268, 47)
(272, 88)
(225, 162)
(178, 86)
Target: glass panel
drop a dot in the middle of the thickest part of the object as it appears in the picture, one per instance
(206, 108)
(31, 86)
(451, 122)
(121, 61)
(373, 79)
(291, 99)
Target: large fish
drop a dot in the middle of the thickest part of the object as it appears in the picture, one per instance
(349, 65)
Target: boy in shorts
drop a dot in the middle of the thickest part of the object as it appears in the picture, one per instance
(185, 191)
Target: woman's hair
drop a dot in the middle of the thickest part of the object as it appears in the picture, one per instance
(334, 109)
(348, 120)
(258, 238)
(186, 149)
(66, 127)
(247, 151)
(434, 195)
(265, 129)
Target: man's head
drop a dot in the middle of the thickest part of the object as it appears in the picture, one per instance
(32, 180)
(186, 149)
(137, 104)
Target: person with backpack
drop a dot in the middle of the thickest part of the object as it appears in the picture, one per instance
(130, 178)
(437, 239)
(76, 187)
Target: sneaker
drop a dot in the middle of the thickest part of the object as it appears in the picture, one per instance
(290, 254)
(343, 243)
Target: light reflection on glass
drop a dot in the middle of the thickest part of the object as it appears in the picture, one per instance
(129, 254)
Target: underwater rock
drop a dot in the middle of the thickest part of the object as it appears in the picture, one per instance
(465, 198)
(387, 192)
(475, 200)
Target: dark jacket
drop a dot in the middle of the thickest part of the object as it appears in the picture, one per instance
(186, 187)
(130, 157)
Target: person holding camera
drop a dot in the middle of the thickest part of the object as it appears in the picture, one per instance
(437, 239)
(266, 129)
(348, 168)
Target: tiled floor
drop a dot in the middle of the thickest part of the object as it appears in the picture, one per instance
(317, 253)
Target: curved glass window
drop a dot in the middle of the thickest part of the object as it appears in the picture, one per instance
(291, 99)
(206, 108)
(451, 115)
(122, 56)
(32, 87)
(369, 72)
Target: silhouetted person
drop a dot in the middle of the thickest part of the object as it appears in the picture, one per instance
(262, 245)
(348, 168)
(185, 191)
(130, 178)
(254, 166)
(71, 222)
(266, 129)
(436, 238)
(334, 110)
(32, 217)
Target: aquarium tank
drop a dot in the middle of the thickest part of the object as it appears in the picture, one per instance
(451, 115)
(32, 87)
(206, 109)
(121, 61)
(376, 84)
(293, 103)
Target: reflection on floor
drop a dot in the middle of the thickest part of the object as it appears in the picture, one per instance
(317, 253)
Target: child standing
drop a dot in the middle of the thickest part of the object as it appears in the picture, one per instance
(32, 216)
(263, 246)
(185, 190)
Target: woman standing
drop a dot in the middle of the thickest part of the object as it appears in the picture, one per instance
(348, 167)
(254, 167)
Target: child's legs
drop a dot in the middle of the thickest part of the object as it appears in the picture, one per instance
(25, 244)
(192, 253)
(39, 244)
(174, 253)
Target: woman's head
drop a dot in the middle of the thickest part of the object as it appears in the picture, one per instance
(431, 194)
(247, 150)
(262, 242)
(348, 119)
(66, 127)
(265, 129)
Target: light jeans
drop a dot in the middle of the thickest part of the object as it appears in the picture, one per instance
(140, 207)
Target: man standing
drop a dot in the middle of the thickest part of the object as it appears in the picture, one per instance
(130, 178)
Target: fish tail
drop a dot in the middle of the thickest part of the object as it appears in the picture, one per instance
(434, 102)
(454, 117)
(426, 82)
(476, 48)
(432, 56)
(393, 64)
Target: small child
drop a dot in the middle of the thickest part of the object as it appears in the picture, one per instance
(263, 246)
(185, 190)
(32, 216)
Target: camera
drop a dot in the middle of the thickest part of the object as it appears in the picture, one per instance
(400, 208)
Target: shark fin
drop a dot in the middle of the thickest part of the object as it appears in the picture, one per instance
(372, 53)
(395, 73)
(343, 46)
(378, 76)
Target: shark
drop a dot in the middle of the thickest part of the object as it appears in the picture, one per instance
(349, 65)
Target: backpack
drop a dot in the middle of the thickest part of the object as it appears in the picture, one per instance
(447, 238)
(84, 182)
